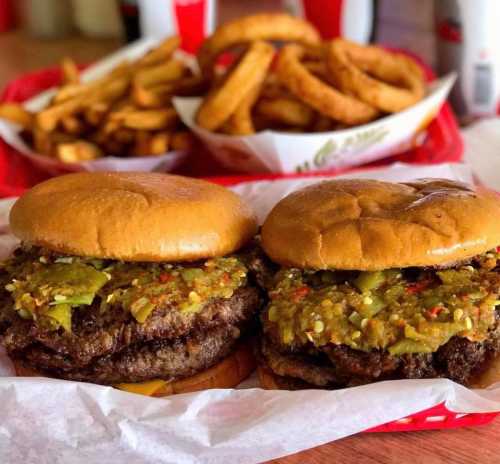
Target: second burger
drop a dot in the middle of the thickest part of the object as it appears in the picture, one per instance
(381, 281)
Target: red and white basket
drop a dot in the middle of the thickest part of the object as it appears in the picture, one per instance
(442, 144)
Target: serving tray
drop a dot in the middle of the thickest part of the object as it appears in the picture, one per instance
(442, 144)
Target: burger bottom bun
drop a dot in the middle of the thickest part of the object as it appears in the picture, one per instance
(270, 381)
(228, 373)
(489, 375)
(267, 379)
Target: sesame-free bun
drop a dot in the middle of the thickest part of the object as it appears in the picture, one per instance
(133, 217)
(368, 225)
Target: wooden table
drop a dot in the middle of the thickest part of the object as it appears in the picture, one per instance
(20, 53)
(474, 445)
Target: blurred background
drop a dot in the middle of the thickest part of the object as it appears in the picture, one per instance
(36, 33)
(459, 36)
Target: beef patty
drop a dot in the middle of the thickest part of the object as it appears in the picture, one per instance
(339, 366)
(112, 347)
(162, 359)
(97, 334)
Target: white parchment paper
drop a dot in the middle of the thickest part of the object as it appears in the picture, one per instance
(45, 420)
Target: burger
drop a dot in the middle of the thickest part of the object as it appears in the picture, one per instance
(381, 281)
(130, 279)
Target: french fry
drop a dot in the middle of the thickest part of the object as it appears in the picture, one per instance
(48, 119)
(161, 53)
(159, 143)
(166, 72)
(73, 125)
(111, 91)
(73, 90)
(17, 114)
(128, 111)
(69, 91)
(96, 112)
(78, 151)
(111, 126)
(69, 70)
(154, 97)
(150, 119)
(42, 142)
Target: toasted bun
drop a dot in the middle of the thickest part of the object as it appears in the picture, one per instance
(133, 217)
(267, 379)
(371, 225)
(228, 373)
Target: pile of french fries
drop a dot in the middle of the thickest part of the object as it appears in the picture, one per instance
(127, 112)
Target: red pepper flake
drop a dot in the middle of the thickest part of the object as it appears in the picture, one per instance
(417, 287)
(226, 278)
(434, 312)
(497, 249)
(165, 277)
(300, 293)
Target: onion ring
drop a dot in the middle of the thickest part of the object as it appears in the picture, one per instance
(317, 68)
(287, 111)
(266, 26)
(325, 99)
(398, 81)
(247, 74)
(240, 122)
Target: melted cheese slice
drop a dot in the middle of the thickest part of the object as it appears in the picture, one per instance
(148, 388)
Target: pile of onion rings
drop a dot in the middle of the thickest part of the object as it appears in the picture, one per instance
(390, 82)
(266, 26)
(309, 86)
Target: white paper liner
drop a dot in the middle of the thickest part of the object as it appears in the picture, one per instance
(11, 132)
(45, 420)
(279, 152)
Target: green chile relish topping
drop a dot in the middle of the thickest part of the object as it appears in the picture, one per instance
(45, 287)
(401, 310)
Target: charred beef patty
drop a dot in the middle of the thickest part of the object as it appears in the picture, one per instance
(159, 359)
(334, 329)
(105, 321)
(96, 334)
(341, 366)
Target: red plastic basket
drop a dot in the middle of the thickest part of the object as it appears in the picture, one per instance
(442, 144)
(438, 417)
